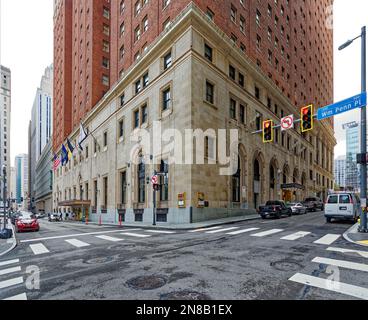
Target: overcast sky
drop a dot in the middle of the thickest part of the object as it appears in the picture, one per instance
(27, 49)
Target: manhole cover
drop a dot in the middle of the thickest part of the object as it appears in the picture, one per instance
(147, 282)
(100, 260)
(286, 265)
(184, 295)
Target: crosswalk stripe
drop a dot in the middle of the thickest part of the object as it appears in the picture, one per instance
(112, 239)
(222, 230)
(39, 249)
(18, 297)
(328, 239)
(204, 229)
(77, 243)
(342, 264)
(267, 233)
(364, 254)
(295, 236)
(135, 235)
(5, 263)
(234, 233)
(10, 270)
(160, 231)
(335, 286)
(11, 282)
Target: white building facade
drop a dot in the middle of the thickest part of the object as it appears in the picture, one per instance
(340, 171)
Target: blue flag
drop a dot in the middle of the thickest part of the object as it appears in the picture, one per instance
(64, 156)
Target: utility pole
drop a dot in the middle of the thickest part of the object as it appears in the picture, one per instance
(4, 196)
(363, 167)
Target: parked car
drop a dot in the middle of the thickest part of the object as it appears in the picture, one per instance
(53, 217)
(27, 222)
(313, 204)
(40, 215)
(297, 208)
(275, 209)
(342, 206)
(14, 217)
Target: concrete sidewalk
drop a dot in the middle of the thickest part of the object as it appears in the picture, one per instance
(7, 245)
(188, 226)
(353, 236)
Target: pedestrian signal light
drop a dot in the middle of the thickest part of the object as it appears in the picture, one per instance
(307, 118)
(268, 131)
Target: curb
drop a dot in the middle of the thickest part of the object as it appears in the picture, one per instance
(346, 236)
(214, 224)
(15, 242)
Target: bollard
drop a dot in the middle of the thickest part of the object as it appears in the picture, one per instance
(120, 221)
(100, 223)
(86, 220)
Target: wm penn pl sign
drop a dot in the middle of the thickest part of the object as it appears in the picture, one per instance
(352, 103)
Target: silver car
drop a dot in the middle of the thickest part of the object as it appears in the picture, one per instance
(297, 208)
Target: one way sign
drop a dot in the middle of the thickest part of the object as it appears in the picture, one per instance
(287, 123)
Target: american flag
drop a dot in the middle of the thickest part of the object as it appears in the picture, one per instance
(56, 163)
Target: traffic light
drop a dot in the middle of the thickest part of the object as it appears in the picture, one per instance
(307, 118)
(268, 131)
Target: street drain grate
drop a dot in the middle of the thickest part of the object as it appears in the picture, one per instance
(147, 282)
(286, 265)
(184, 295)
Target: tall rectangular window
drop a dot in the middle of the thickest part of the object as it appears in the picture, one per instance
(232, 109)
(136, 119)
(95, 188)
(242, 114)
(164, 192)
(106, 191)
(144, 113)
(121, 128)
(208, 52)
(123, 187)
(232, 72)
(209, 92)
(167, 61)
(166, 101)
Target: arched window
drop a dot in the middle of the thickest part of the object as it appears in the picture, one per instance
(272, 177)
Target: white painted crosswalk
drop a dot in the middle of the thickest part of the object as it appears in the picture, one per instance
(296, 236)
(18, 297)
(267, 233)
(77, 243)
(234, 233)
(10, 275)
(108, 238)
(363, 254)
(135, 235)
(39, 249)
(328, 239)
(9, 270)
(11, 282)
(335, 286)
(222, 230)
(342, 264)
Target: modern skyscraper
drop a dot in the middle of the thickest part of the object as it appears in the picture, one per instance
(40, 128)
(352, 178)
(5, 120)
(21, 168)
(340, 171)
(200, 65)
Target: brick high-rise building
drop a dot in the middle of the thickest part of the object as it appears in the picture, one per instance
(97, 41)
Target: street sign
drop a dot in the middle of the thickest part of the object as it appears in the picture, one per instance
(352, 103)
(287, 123)
(154, 180)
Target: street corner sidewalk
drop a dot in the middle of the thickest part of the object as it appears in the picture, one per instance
(354, 236)
(187, 226)
(7, 245)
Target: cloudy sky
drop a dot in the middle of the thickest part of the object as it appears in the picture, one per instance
(27, 48)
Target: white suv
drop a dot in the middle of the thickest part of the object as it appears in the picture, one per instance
(344, 205)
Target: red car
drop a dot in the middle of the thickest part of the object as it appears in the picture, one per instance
(27, 222)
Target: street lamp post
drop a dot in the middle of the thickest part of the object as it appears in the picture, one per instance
(363, 166)
(4, 196)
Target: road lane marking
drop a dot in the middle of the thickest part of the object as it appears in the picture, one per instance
(10, 270)
(76, 235)
(11, 282)
(335, 286)
(135, 235)
(234, 233)
(160, 231)
(328, 239)
(77, 243)
(5, 263)
(296, 236)
(342, 264)
(267, 233)
(222, 230)
(18, 297)
(112, 239)
(39, 249)
(204, 229)
(364, 254)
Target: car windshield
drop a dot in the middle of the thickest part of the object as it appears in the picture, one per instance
(26, 216)
(291, 204)
(310, 199)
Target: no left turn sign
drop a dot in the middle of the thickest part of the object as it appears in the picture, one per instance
(287, 123)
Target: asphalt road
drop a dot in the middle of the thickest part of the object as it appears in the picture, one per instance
(242, 261)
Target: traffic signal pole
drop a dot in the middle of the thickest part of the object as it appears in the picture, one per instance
(363, 167)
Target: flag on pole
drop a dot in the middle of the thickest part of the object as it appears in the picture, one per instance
(56, 162)
(64, 156)
(82, 137)
(70, 149)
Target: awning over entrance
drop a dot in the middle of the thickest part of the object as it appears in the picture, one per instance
(75, 203)
(291, 186)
